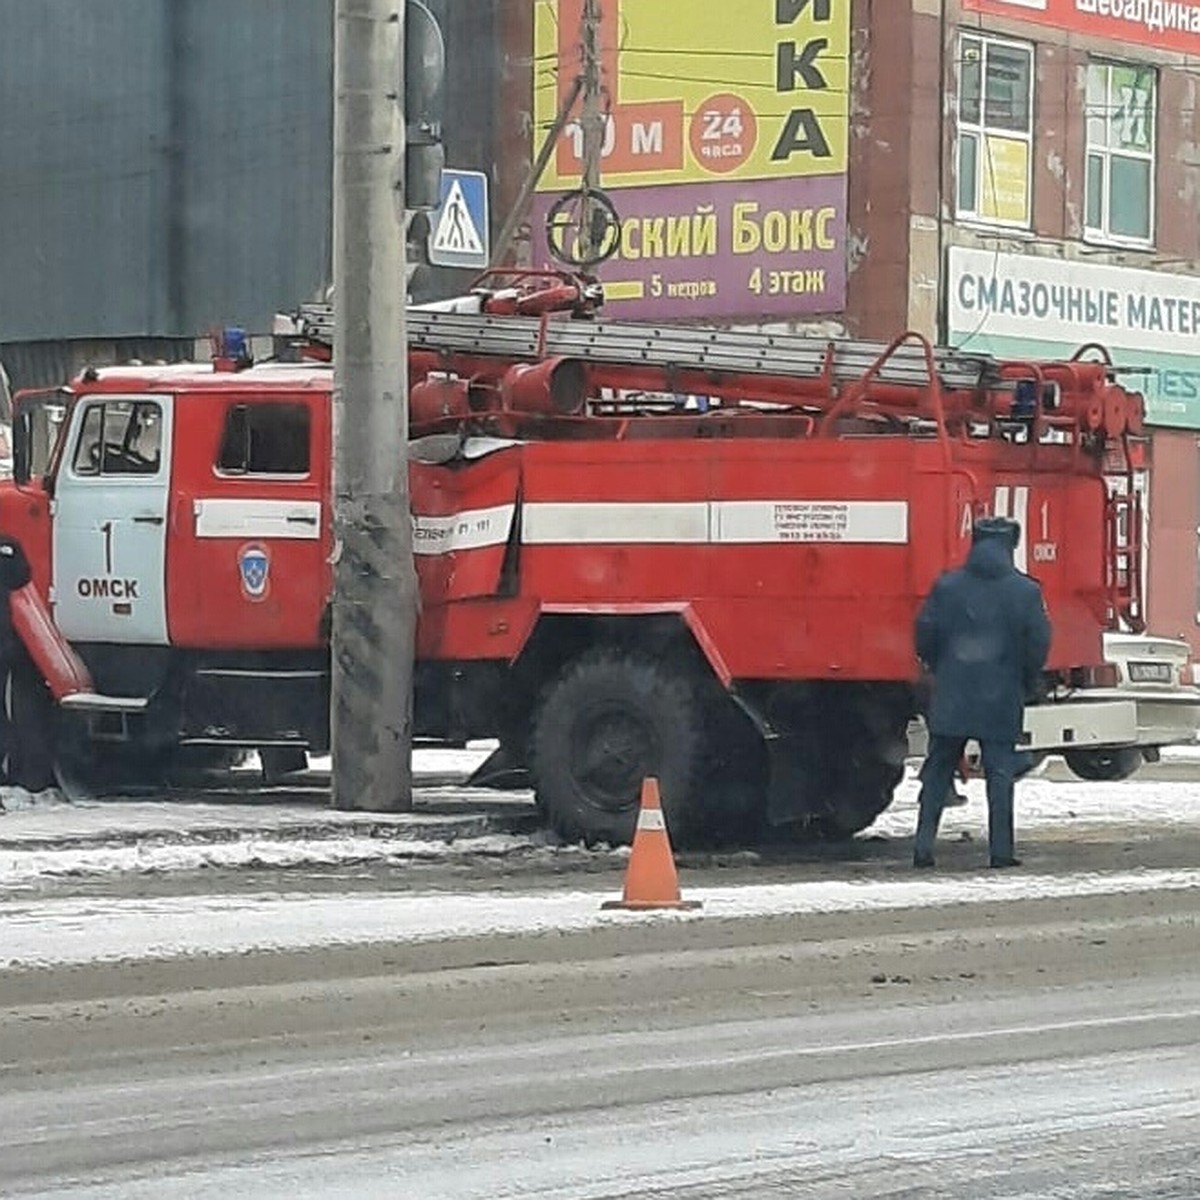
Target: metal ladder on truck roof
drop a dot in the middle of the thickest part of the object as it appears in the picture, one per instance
(624, 343)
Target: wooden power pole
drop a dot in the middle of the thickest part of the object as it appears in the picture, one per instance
(375, 590)
(592, 122)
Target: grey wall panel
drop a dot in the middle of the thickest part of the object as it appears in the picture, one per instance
(254, 115)
(49, 364)
(83, 167)
(166, 165)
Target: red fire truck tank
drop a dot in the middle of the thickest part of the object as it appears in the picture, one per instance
(678, 552)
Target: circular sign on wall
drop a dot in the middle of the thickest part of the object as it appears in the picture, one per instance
(724, 133)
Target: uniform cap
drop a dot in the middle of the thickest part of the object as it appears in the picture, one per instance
(988, 527)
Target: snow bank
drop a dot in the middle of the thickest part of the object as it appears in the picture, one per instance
(20, 868)
(1042, 804)
(59, 931)
(17, 800)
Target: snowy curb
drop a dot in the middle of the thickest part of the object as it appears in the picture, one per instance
(24, 867)
(424, 828)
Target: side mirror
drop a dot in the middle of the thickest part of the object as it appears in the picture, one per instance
(22, 447)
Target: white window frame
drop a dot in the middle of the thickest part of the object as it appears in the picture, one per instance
(1101, 234)
(980, 129)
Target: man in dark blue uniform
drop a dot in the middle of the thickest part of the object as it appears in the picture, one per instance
(984, 634)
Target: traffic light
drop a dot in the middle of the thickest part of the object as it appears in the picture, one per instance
(424, 79)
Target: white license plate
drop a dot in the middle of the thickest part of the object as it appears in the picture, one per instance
(1143, 672)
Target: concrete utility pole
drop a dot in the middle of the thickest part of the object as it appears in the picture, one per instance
(375, 590)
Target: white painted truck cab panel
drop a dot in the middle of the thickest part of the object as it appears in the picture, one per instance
(110, 521)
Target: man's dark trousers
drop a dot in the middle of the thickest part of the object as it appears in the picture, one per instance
(1001, 763)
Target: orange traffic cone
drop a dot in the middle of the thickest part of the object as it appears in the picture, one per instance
(650, 879)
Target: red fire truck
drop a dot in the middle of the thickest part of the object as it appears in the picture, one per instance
(684, 552)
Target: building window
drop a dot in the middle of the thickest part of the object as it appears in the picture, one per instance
(1121, 108)
(995, 130)
(265, 439)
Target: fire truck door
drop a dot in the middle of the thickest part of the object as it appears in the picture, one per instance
(252, 525)
(109, 521)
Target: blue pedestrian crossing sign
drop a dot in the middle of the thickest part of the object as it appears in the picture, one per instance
(458, 231)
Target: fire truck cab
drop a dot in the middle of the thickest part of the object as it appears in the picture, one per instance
(179, 532)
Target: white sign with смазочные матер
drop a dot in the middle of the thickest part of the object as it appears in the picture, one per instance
(1057, 300)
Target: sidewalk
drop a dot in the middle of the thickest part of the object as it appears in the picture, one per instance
(243, 808)
(244, 824)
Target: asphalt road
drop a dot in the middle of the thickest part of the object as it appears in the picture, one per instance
(1023, 1049)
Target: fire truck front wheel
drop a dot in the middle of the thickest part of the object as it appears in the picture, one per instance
(610, 719)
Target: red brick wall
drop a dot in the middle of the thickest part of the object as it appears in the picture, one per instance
(880, 189)
(1174, 517)
(1178, 181)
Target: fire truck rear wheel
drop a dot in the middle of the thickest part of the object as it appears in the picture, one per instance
(855, 806)
(860, 774)
(612, 718)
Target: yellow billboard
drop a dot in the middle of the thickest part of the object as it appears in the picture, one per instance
(701, 92)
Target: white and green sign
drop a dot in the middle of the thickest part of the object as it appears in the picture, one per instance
(1027, 306)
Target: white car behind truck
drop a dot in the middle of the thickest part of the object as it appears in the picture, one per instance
(1153, 704)
(1156, 673)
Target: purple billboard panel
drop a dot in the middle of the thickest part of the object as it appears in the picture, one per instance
(740, 250)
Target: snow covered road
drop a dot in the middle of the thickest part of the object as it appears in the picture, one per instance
(383, 1009)
(998, 1051)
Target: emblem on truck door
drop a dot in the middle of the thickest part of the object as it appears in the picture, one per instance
(254, 567)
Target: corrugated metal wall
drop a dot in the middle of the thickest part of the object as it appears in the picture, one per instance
(165, 165)
(251, 220)
(84, 167)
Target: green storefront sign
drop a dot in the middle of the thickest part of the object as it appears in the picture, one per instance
(1170, 382)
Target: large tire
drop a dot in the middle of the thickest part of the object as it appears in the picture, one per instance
(736, 774)
(862, 767)
(612, 718)
(853, 805)
(1104, 766)
(87, 769)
